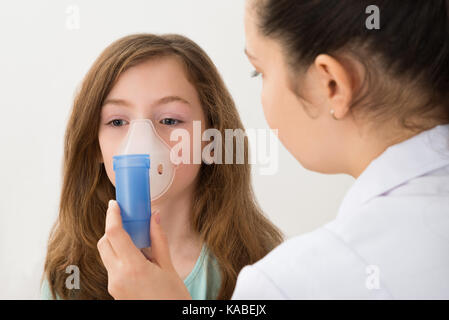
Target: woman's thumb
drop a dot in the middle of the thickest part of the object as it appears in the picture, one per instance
(159, 244)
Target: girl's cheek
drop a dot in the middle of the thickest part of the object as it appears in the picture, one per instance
(186, 139)
(185, 175)
(166, 136)
(165, 133)
(109, 144)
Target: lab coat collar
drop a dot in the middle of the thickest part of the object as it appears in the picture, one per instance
(399, 163)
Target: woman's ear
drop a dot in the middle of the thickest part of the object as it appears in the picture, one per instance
(336, 79)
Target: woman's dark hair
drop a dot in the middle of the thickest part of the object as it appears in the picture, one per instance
(406, 59)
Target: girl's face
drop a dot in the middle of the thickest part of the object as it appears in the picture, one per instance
(308, 132)
(159, 90)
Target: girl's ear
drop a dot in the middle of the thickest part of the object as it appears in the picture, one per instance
(336, 79)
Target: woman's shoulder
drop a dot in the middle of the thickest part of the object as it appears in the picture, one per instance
(313, 265)
(301, 251)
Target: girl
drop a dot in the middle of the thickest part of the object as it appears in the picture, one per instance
(368, 102)
(213, 224)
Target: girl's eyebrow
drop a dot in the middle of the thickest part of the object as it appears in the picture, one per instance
(161, 101)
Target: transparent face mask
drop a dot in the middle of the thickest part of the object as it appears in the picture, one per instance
(142, 138)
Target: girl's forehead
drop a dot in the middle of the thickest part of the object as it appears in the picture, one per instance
(158, 72)
(156, 82)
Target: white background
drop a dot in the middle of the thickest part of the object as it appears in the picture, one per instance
(42, 63)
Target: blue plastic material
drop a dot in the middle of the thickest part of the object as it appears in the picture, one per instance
(132, 191)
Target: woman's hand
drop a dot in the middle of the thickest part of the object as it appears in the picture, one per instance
(130, 274)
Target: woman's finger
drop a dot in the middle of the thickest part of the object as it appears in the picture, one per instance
(120, 240)
(107, 253)
(159, 244)
(147, 253)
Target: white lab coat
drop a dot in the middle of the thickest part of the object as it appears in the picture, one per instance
(390, 239)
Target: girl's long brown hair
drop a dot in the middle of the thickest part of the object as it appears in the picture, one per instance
(224, 210)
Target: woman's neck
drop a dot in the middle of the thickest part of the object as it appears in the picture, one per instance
(371, 145)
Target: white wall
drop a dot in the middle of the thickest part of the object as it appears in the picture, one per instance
(43, 61)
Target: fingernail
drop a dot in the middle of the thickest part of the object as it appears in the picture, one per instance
(157, 217)
(110, 203)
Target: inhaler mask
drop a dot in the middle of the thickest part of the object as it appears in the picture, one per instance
(142, 138)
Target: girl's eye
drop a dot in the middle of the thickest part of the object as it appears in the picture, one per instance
(255, 74)
(115, 123)
(170, 121)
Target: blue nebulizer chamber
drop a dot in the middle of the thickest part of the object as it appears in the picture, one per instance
(132, 191)
(143, 172)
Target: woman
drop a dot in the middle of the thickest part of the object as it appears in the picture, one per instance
(372, 104)
(213, 224)
(369, 103)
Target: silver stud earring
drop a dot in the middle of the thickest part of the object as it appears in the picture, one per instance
(333, 114)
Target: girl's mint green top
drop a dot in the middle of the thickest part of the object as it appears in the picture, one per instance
(203, 282)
